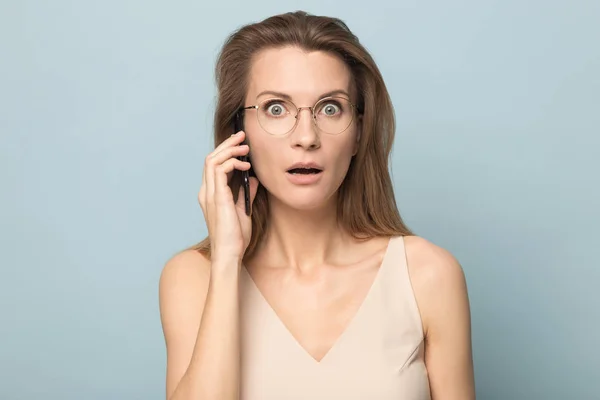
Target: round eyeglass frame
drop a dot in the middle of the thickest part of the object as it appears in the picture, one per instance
(355, 111)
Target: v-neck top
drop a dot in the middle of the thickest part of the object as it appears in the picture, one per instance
(379, 356)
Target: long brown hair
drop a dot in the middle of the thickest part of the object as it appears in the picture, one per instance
(366, 203)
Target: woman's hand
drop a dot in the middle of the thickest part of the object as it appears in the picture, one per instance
(229, 228)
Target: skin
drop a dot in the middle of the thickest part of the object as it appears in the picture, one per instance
(314, 275)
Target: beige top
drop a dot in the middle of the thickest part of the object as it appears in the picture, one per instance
(378, 356)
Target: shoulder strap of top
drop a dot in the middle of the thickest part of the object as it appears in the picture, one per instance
(397, 287)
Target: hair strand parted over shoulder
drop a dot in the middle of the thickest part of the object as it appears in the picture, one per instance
(366, 202)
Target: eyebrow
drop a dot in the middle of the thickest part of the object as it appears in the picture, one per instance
(288, 97)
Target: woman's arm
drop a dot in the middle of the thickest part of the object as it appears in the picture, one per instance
(199, 299)
(441, 293)
(199, 314)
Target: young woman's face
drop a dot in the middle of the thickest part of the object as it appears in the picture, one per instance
(281, 80)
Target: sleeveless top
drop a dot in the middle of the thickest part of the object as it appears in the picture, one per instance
(379, 356)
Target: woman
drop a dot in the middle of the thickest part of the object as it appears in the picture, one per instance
(323, 292)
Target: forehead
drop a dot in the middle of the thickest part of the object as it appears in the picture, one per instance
(302, 75)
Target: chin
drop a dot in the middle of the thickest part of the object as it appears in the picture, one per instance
(303, 199)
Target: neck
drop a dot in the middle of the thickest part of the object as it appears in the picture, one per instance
(303, 239)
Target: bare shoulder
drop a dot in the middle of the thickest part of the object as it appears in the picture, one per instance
(440, 290)
(183, 288)
(184, 280)
(437, 277)
(431, 263)
(186, 268)
(184, 275)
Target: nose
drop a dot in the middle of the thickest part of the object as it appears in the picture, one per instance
(305, 133)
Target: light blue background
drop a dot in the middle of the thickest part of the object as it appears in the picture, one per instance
(105, 116)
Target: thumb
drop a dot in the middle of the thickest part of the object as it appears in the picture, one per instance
(253, 188)
(241, 201)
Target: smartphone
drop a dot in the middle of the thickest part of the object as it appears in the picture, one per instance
(238, 125)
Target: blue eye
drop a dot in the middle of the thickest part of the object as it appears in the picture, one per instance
(275, 108)
(330, 109)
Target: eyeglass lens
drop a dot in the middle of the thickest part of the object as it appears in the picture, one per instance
(331, 115)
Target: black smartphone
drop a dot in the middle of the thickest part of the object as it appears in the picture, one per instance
(238, 125)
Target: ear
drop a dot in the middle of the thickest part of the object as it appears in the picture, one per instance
(358, 135)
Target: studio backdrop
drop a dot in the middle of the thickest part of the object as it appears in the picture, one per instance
(105, 120)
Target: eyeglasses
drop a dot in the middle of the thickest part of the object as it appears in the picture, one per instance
(331, 115)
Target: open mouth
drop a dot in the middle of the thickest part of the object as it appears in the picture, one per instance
(304, 171)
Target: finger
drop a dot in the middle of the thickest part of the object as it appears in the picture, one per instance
(253, 188)
(202, 193)
(202, 196)
(229, 152)
(203, 188)
(209, 178)
(221, 181)
(232, 140)
(241, 203)
(229, 148)
(215, 160)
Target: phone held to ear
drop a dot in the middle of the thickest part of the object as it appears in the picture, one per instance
(238, 125)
